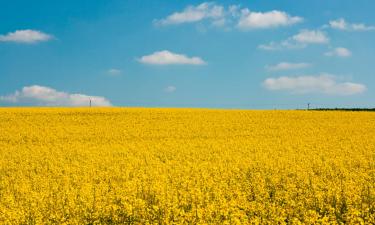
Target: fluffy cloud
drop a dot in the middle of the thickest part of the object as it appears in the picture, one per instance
(339, 52)
(298, 41)
(311, 37)
(287, 66)
(114, 72)
(231, 16)
(25, 36)
(170, 89)
(46, 96)
(325, 84)
(341, 24)
(169, 58)
(191, 14)
(259, 20)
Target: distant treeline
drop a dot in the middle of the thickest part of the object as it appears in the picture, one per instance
(344, 109)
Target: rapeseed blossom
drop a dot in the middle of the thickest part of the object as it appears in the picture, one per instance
(186, 166)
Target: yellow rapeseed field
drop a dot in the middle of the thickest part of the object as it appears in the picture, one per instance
(186, 166)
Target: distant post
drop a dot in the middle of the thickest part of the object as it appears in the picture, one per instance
(90, 102)
(308, 106)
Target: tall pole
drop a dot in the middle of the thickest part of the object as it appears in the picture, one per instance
(90, 101)
(308, 106)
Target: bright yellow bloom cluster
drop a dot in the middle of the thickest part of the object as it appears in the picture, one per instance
(186, 166)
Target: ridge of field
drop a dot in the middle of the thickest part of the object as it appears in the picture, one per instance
(186, 166)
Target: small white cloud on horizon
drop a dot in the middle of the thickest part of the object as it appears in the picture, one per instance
(114, 72)
(341, 24)
(170, 89)
(339, 52)
(323, 84)
(46, 96)
(262, 20)
(25, 36)
(298, 41)
(169, 58)
(287, 66)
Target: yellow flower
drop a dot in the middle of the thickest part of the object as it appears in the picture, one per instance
(185, 166)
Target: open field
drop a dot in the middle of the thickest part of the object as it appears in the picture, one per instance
(117, 165)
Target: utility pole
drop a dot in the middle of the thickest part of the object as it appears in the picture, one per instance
(308, 106)
(90, 102)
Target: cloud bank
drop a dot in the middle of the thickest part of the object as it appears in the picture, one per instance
(341, 24)
(233, 16)
(323, 84)
(46, 96)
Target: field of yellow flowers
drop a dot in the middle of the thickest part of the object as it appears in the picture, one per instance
(186, 166)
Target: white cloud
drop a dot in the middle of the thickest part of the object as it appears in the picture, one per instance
(231, 16)
(191, 14)
(325, 84)
(311, 37)
(341, 24)
(46, 96)
(286, 44)
(272, 46)
(339, 52)
(25, 36)
(170, 89)
(114, 72)
(259, 20)
(168, 58)
(298, 41)
(287, 66)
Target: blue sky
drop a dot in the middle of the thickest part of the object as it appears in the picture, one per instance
(219, 54)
